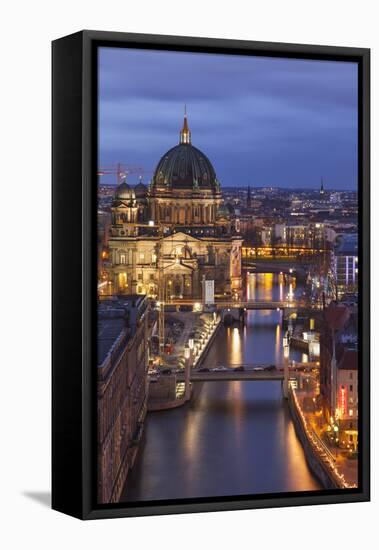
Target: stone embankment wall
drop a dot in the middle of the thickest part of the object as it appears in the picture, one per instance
(319, 469)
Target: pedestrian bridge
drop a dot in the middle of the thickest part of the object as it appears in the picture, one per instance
(223, 376)
(249, 372)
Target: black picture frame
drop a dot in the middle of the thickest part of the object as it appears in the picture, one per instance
(74, 152)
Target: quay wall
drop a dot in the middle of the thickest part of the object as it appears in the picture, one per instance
(159, 399)
(165, 405)
(315, 463)
(205, 351)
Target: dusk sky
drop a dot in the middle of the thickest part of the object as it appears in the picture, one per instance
(261, 121)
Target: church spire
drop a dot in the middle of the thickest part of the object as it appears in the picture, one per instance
(322, 187)
(185, 133)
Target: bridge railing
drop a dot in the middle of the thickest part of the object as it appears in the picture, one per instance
(248, 367)
(237, 304)
(256, 303)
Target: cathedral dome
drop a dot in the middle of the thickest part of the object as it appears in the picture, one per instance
(185, 167)
(140, 190)
(124, 192)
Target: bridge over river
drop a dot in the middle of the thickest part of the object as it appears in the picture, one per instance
(236, 310)
(243, 304)
(217, 376)
(240, 373)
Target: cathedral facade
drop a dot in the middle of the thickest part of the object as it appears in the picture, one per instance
(167, 238)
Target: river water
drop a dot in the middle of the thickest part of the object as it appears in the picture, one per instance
(232, 438)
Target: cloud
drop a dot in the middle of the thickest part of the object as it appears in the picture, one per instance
(280, 121)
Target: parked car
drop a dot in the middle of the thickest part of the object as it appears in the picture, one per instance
(204, 369)
(258, 368)
(241, 368)
(166, 371)
(221, 368)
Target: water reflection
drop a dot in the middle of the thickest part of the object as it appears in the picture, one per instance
(235, 339)
(234, 438)
(259, 341)
(278, 347)
(269, 286)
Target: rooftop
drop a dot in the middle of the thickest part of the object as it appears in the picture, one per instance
(108, 331)
(116, 316)
(348, 245)
(349, 360)
(119, 303)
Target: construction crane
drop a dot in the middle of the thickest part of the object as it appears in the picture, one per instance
(120, 171)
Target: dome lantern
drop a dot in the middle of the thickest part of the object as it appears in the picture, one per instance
(185, 133)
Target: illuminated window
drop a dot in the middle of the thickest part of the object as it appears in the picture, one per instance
(122, 259)
(351, 412)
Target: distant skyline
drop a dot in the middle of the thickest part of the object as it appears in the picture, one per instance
(261, 121)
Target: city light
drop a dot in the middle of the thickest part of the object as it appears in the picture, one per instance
(231, 282)
(322, 451)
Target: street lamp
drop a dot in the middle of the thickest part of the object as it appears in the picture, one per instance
(286, 353)
(187, 352)
(187, 356)
(286, 350)
(285, 343)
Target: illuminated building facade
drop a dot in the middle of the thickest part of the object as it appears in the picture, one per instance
(347, 389)
(340, 398)
(346, 265)
(178, 231)
(121, 389)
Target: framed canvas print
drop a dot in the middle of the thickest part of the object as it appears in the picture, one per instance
(210, 275)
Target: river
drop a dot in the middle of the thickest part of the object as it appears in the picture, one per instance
(233, 438)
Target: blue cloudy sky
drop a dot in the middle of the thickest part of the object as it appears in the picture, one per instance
(261, 121)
